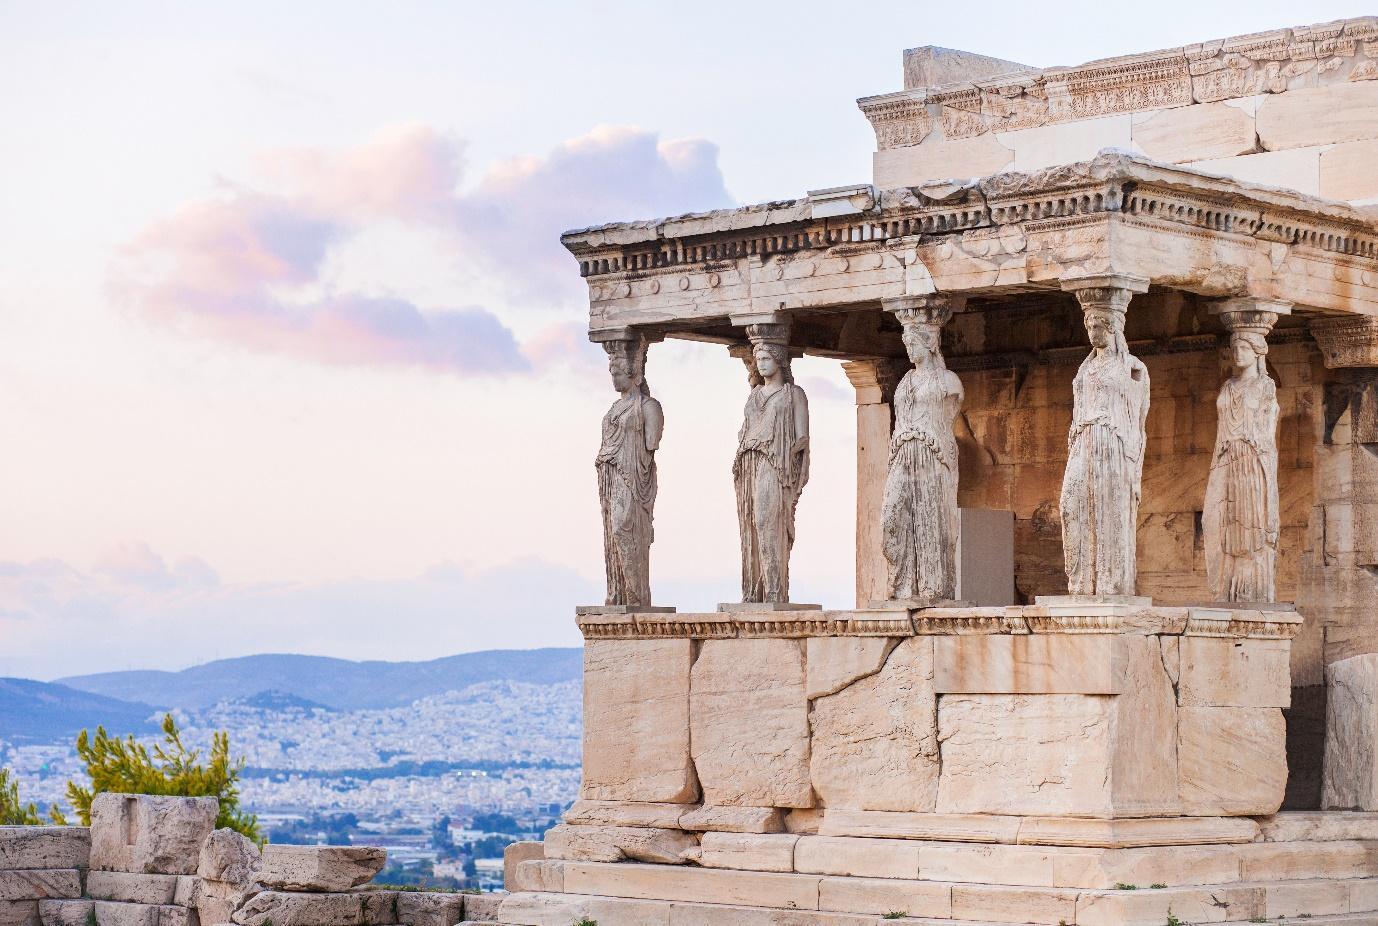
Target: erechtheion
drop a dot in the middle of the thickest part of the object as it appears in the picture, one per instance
(1129, 358)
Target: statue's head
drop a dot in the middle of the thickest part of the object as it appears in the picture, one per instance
(771, 358)
(1105, 328)
(1248, 349)
(921, 342)
(626, 364)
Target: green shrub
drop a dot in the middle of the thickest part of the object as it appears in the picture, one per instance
(125, 766)
(13, 813)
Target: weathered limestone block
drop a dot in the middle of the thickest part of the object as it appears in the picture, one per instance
(875, 742)
(879, 896)
(40, 884)
(320, 868)
(833, 663)
(1232, 760)
(229, 856)
(512, 857)
(150, 834)
(131, 888)
(618, 843)
(749, 722)
(1000, 904)
(538, 875)
(636, 721)
(1351, 734)
(44, 847)
(1346, 172)
(1026, 664)
(19, 913)
(216, 901)
(188, 888)
(733, 819)
(749, 852)
(1318, 116)
(867, 858)
(353, 908)
(114, 913)
(706, 885)
(425, 908)
(1194, 133)
(1318, 826)
(626, 813)
(65, 912)
(482, 907)
(1220, 672)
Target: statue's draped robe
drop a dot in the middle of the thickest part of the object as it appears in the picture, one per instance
(768, 474)
(919, 515)
(1100, 487)
(627, 493)
(1241, 516)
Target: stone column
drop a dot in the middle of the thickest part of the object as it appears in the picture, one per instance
(1340, 588)
(874, 382)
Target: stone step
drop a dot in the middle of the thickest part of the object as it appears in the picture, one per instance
(587, 886)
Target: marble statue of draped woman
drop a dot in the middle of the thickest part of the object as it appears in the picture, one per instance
(919, 514)
(1105, 460)
(627, 485)
(769, 472)
(1241, 518)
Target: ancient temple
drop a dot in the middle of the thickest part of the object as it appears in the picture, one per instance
(1114, 654)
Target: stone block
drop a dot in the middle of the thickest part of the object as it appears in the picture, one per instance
(636, 721)
(618, 843)
(1294, 169)
(1318, 826)
(229, 856)
(875, 742)
(627, 813)
(1347, 171)
(44, 847)
(1177, 865)
(833, 663)
(562, 910)
(1194, 133)
(1316, 898)
(1318, 116)
(866, 858)
(748, 851)
(749, 717)
(1066, 142)
(131, 888)
(538, 875)
(1232, 760)
(40, 884)
(733, 819)
(150, 834)
(1351, 735)
(1300, 861)
(1221, 672)
(115, 913)
(428, 908)
(962, 158)
(1123, 834)
(482, 907)
(353, 908)
(19, 913)
(701, 885)
(512, 857)
(1025, 664)
(883, 895)
(944, 827)
(216, 901)
(65, 912)
(1153, 907)
(1001, 904)
(1017, 866)
(320, 868)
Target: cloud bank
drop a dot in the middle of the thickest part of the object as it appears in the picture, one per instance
(245, 266)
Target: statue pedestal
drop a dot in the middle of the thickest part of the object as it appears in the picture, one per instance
(1006, 765)
(747, 607)
(590, 610)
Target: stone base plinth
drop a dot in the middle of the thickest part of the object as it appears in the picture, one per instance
(748, 607)
(593, 610)
(1311, 866)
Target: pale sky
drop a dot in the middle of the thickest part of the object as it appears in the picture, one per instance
(291, 359)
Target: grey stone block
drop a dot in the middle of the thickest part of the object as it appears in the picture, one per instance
(150, 834)
(44, 847)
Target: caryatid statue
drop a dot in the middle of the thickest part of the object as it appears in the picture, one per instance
(627, 474)
(1241, 519)
(771, 466)
(919, 516)
(1105, 446)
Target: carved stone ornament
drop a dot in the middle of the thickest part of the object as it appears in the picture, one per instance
(1241, 519)
(626, 467)
(919, 516)
(1105, 446)
(771, 465)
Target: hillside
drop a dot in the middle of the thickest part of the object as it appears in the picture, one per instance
(337, 683)
(43, 712)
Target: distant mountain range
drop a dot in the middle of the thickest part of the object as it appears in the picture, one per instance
(41, 712)
(334, 683)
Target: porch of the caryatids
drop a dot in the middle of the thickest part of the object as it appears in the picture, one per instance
(1105, 445)
(771, 465)
(1241, 520)
(920, 523)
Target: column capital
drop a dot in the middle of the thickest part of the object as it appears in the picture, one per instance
(1347, 340)
(1246, 314)
(874, 380)
(625, 333)
(932, 309)
(1104, 291)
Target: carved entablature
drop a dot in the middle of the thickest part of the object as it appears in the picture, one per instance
(1008, 233)
(1348, 341)
(1207, 72)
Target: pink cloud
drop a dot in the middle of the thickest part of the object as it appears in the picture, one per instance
(245, 266)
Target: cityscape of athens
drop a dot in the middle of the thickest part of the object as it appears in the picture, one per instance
(602, 464)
